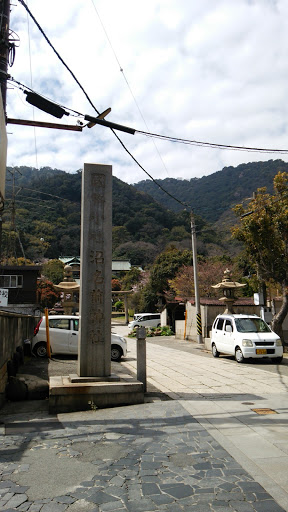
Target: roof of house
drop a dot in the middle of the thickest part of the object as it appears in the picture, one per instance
(123, 265)
(117, 265)
(69, 259)
(213, 301)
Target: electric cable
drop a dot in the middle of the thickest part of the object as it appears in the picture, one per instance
(24, 88)
(168, 138)
(91, 103)
(212, 144)
(172, 139)
(20, 201)
(31, 82)
(127, 83)
(58, 55)
(45, 193)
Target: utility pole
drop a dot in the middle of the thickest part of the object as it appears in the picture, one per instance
(4, 47)
(196, 287)
(13, 228)
(4, 58)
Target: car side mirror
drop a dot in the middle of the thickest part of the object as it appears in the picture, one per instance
(228, 328)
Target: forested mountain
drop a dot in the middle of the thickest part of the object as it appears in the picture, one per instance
(212, 196)
(46, 209)
(42, 212)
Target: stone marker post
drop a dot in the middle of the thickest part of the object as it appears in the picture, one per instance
(141, 356)
(94, 350)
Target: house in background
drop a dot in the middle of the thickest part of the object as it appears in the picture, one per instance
(74, 262)
(119, 267)
(18, 289)
(185, 315)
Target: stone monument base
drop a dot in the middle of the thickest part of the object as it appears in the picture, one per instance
(73, 393)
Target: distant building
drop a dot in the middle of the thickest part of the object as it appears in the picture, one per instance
(74, 262)
(20, 285)
(119, 267)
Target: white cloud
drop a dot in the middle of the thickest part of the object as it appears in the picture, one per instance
(210, 71)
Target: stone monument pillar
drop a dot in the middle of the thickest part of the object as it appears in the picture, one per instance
(94, 350)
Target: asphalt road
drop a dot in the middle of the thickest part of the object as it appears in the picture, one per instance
(65, 365)
(191, 347)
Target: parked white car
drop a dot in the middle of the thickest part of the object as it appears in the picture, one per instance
(145, 320)
(245, 336)
(63, 334)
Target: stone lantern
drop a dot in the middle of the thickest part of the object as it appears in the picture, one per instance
(229, 287)
(68, 287)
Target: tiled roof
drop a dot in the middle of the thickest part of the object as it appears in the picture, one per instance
(213, 301)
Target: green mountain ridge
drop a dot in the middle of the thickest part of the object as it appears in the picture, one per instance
(47, 210)
(211, 196)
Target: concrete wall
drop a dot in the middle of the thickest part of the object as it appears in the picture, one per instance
(163, 317)
(208, 314)
(14, 329)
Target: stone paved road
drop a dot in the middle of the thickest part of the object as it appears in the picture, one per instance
(168, 455)
(140, 458)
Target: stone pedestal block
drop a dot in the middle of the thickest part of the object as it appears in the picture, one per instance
(67, 396)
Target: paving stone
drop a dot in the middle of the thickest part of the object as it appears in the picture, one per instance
(207, 490)
(149, 489)
(7, 496)
(184, 469)
(16, 501)
(220, 506)
(24, 507)
(161, 499)
(251, 487)
(178, 490)
(241, 506)
(227, 486)
(111, 506)
(65, 499)
(100, 497)
(20, 489)
(173, 507)
(35, 507)
(149, 479)
(143, 505)
(267, 506)
(53, 507)
(199, 507)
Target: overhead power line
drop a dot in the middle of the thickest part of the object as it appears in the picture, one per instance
(211, 144)
(58, 55)
(91, 103)
(96, 120)
(114, 126)
(127, 82)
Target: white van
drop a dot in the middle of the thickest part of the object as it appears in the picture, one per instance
(63, 330)
(245, 336)
(145, 320)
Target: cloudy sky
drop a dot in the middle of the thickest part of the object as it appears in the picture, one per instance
(209, 70)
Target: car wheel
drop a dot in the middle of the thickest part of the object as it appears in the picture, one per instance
(277, 360)
(238, 355)
(215, 352)
(40, 349)
(116, 353)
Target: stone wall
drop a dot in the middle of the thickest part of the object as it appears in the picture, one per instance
(14, 329)
(208, 315)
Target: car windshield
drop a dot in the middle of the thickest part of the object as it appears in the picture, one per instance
(251, 325)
